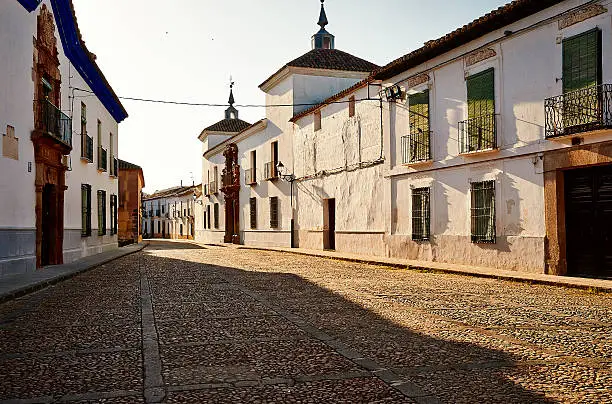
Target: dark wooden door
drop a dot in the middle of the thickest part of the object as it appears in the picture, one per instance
(49, 225)
(588, 212)
(329, 224)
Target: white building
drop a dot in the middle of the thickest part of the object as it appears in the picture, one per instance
(170, 213)
(59, 184)
(245, 164)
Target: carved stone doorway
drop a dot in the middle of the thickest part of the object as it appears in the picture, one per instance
(231, 190)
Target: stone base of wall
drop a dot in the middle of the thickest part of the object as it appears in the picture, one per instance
(367, 243)
(77, 247)
(209, 237)
(17, 251)
(266, 238)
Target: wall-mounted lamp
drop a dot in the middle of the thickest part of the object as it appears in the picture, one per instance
(284, 173)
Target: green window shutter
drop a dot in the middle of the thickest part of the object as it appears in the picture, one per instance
(419, 111)
(582, 61)
(481, 94)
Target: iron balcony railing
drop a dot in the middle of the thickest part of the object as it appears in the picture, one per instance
(213, 188)
(416, 147)
(102, 159)
(250, 176)
(87, 148)
(271, 171)
(115, 166)
(579, 111)
(227, 180)
(55, 123)
(478, 134)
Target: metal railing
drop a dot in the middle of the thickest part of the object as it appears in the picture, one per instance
(87, 148)
(478, 133)
(227, 180)
(416, 147)
(579, 111)
(271, 171)
(55, 123)
(102, 159)
(250, 176)
(115, 166)
(213, 187)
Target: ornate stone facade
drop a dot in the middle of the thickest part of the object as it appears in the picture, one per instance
(479, 56)
(231, 190)
(582, 15)
(417, 80)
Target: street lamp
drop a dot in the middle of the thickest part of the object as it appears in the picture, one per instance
(290, 178)
(195, 199)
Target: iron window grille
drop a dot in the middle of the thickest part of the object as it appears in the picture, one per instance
(85, 210)
(102, 159)
(253, 212)
(101, 213)
(274, 212)
(478, 134)
(483, 212)
(250, 177)
(271, 171)
(421, 214)
(208, 214)
(87, 148)
(54, 122)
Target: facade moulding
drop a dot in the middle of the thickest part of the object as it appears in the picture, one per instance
(417, 80)
(584, 14)
(479, 56)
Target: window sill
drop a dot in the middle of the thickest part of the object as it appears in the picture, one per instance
(418, 163)
(477, 153)
(86, 160)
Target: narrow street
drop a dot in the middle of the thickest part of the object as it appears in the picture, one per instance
(184, 323)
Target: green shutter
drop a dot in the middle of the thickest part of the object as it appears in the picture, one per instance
(582, 61)
(419, 111)
(481, 94)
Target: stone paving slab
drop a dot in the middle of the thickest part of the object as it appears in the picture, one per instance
(602, 285)
(12, 287)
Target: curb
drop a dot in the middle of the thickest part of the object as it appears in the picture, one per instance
(35, 287)
(563, 283)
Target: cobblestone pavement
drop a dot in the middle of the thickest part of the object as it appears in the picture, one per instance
(180, 323)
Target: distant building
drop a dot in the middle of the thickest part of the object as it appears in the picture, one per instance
(58, 156)
(170, 213)
(131, 182)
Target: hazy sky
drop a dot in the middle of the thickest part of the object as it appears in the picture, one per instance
(185, 50)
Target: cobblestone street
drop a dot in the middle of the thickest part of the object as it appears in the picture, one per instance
(181, 323)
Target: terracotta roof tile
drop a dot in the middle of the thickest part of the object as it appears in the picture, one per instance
(124, 165)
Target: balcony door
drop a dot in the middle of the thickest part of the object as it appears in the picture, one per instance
(581, 80)
(329, 224)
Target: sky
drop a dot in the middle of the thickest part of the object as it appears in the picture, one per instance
(186, 50)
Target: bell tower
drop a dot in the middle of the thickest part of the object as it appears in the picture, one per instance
(323, 39)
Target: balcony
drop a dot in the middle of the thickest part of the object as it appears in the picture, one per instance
(250, 177)
(416, 147)
(213, 188)
(271, 171)
(102, 159)
(579, 111)
(227, 180)
(87, 148)
(114, 167)
(478, 134)
(157, 213)
(55, 123)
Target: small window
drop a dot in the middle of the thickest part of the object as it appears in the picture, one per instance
(216, 215)
(420, 214)
(352, 106)
(101, 213)
(85, 210)
(483, 212)
(99, 133)
(253, 205)
(317, 121)
(207, 225)
(274, 212)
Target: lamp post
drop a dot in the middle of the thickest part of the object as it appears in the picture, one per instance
(290, 178)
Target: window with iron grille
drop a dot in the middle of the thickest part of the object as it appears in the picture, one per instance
(85, 210)
(253, 212)
(418, 145)
(420, 214)
(101, 213)
(216, 215)
(113, 207)
(483, 212)
(274, 212)
(479, 132)
(208, 215)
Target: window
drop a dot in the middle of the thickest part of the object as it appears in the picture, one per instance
(101, 213)
(85, 210)
(253, 212)
(83, 119)
(420, 214)
(352, 106)
(483, 212)
(113, 207)
(99, 133)
(181, 229)
(158, 227)
(274, 153)
(480, 133)
(417, 148)
(317, 121)
(216, 215)
(112, 156)
(274, 212)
